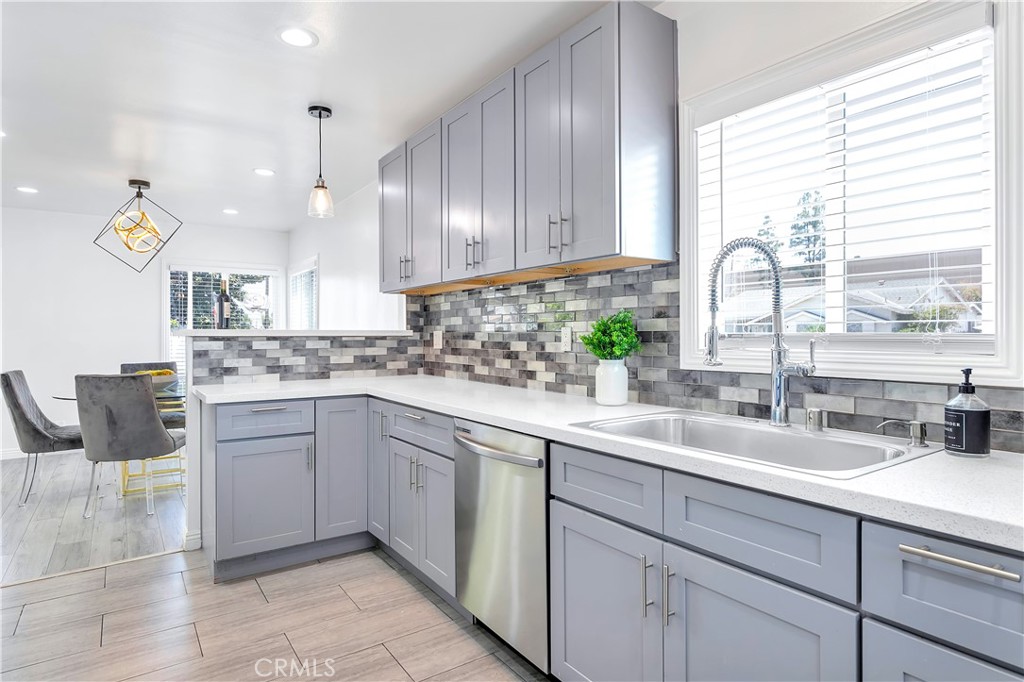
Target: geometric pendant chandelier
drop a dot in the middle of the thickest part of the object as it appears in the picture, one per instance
(137, 231)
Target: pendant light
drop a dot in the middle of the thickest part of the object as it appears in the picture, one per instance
(132, 234)
(320, 203)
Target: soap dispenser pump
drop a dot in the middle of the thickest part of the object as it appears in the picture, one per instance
(968, 422)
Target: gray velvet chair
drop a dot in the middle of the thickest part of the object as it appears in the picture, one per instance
(35, 432)
(172, 418)
(120, 422)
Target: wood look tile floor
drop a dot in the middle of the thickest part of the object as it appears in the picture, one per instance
(49, 536)
(355, 617)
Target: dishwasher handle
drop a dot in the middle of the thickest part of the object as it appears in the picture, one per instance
(479, 448)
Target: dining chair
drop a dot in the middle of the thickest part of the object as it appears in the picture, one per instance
(120, 422)
(172, 413)
(35, 432)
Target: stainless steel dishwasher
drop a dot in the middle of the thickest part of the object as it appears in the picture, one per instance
(501, 534)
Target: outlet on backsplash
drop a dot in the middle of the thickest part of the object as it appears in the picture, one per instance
(566, 339)
(438, 339)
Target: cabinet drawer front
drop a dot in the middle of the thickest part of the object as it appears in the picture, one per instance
(256, 420)
(265, 492)
(980, 612)
(891, 654)
(806, 545)
(427, 430)
(728, 624)
(624, 490)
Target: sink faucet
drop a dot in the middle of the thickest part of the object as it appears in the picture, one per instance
(782, 368)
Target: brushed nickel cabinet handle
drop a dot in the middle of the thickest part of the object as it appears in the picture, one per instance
(644, 565)
(309, 456)
(417, 417)
(279, 408)
(419, 483)
(412, 473)
(552, 223)
(383, 425)
(665, 575)
(925, 552)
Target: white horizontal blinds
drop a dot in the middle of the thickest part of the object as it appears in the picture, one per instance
(875, 191)
(302, 299)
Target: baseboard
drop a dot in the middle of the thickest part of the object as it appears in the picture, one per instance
(193, 540)
(243, 567)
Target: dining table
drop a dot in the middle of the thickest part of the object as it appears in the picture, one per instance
(174, 392)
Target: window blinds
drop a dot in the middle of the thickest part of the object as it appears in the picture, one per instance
(876, 192)
(302, 299)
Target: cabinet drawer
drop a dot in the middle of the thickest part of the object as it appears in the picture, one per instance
(806, 545)
(256, 420)
(959, 604)
(891, 654)
(624, 490)
(428, 430)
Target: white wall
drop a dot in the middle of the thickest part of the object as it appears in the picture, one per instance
(720, 42)
(70, 308)
(347, 246)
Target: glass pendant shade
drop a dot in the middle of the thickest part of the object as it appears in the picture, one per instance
(320, 203)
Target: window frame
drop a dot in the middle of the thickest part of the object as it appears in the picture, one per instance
(880, 356)
(311, 263)
(167, 266)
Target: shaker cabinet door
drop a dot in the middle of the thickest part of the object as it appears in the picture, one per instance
(378, 466)
(424, 207)
(404, 511)
(391, 178)
(460, 190)
(340, 465)
(435, 486)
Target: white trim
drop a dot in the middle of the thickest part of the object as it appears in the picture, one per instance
(886, 39)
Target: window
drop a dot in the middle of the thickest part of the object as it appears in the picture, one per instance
(192, 293)
(303, 296)
(878, 193)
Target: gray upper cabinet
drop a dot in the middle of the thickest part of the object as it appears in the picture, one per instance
(478, 183)
(378, 466)
(340, 465)
(595, 164)
(405, 535)
(727, 624)
(606, 620)
(537, 168)
(265, 492)
(588, 88)
(435, 484)
(391, 179)
(889, 654)
(423, 262)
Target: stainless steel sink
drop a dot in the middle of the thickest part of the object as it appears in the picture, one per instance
(831, 454)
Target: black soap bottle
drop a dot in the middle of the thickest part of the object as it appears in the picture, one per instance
(968, 422)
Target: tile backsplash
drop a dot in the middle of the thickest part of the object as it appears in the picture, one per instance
(509, 336)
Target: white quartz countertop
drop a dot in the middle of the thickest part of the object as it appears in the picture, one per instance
(977, 499)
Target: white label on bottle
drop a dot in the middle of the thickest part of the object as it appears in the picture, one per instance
(227, 309)
(954, 429)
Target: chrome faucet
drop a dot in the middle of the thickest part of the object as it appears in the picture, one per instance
(782, 368)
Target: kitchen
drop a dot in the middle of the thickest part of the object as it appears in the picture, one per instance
(421, 385)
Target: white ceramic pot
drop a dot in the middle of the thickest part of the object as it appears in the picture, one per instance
(612, 382)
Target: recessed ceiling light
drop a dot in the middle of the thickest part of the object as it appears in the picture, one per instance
(298, 37)
(28, 190)
(265, 172)
(231, 211)
(3, 134)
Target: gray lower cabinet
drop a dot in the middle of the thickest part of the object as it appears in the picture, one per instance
(340, 464)
(602, 577)
(725, 623)
(378, 467)
(405, 535)
(435, 488)
(890, 654)
(265, 493)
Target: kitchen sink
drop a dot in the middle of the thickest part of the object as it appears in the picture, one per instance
(826, 453)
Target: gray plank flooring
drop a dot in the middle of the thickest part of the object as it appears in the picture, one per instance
(49, 536)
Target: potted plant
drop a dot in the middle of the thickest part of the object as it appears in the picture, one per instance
(612, 339)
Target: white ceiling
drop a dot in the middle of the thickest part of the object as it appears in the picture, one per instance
(193, 96)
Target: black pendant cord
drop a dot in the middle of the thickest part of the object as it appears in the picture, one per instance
(320, 146)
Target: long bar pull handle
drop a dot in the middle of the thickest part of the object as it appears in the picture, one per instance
(279, 408)
(561, 238)
(412, 473)
(644, 565)
(665, 575)
(551, 223)
(925, 552)
(469, 259)
(309, 456)
(420, 483)
(401, 268)
(383, 425)
(475, 243)
(417, 417)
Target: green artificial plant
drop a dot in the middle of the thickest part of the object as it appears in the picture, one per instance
(613, 337)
